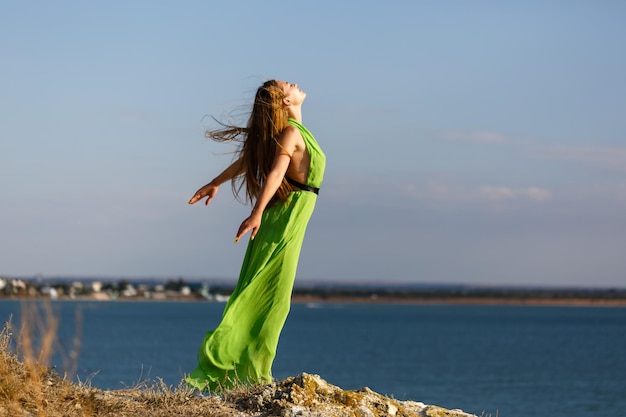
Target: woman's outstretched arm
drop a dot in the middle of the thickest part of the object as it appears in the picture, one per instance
(209, 190)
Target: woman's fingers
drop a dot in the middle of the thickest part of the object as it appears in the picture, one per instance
(248, 225)
(194, 199)
(208, 191)
(243, 229)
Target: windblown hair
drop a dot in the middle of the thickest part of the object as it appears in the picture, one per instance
(258, 141)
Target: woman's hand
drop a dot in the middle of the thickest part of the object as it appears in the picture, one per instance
(207, 191)
(252, 224)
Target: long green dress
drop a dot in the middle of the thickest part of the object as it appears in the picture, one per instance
(243, 346)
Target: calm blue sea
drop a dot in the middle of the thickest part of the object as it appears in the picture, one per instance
(509, 361)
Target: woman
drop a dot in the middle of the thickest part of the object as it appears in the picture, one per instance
(281, 167)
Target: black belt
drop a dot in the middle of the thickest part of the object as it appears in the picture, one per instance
(301, 186)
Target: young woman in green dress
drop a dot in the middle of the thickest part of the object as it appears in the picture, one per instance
(281, 168)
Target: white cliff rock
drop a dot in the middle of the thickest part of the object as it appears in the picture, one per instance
(310, 396)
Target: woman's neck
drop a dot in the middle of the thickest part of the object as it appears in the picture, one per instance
(295, 113)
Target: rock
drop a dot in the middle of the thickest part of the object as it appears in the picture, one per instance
(310, 396)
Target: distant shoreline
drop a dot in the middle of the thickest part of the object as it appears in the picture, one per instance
(464, 300)
(340, 299)
(181, 291)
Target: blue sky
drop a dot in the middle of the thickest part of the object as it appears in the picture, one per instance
(474, 142)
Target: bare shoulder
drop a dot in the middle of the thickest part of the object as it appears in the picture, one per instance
(291, 136)
(291, 131)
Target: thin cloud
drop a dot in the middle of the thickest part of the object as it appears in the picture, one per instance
(455, 193)
(612, 158)
(479, 137)
(435, 193)
(507, 193)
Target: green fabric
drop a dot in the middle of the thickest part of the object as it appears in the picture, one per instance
(243, 346)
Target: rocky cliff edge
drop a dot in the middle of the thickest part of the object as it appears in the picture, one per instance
(311, 396)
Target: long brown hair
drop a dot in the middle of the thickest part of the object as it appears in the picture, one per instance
(258, 141)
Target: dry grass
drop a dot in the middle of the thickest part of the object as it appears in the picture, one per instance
(29, 387)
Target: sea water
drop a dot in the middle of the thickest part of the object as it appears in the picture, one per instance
(509, 361)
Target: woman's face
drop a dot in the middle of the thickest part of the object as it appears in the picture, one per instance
(293, 95)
